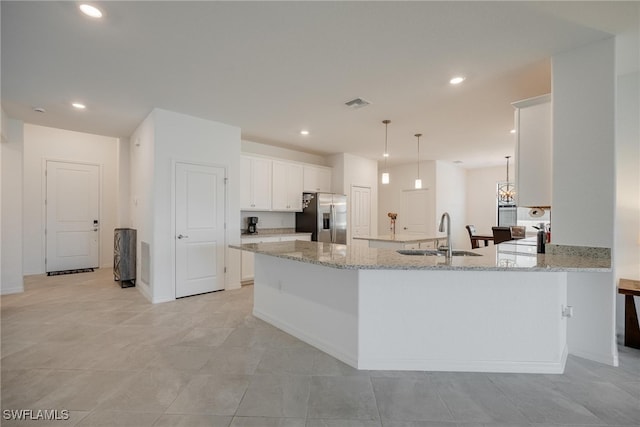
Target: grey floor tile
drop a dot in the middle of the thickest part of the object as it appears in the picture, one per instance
(342, 423)
(476, 399)
(191, 420)
(118, 419)
(211, 394)
(206, 336)
(85, 391)
(233, 360)
(347, 398)
(287, 360)
(147, 391)
(21, 389)
(181, 358)
(395, 423)
(267, 422)
(249, 337)
(325, 365)
(536, 397)
(409, 399)
(276, 396)
(612, 405)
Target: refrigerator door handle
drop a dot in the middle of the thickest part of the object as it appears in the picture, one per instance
(332, 211)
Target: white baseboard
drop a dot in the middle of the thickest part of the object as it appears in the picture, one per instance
(12, 290)
(551, 367)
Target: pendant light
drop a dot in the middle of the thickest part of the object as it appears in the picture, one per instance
(506, 191)
(385, 173)
(418, 183)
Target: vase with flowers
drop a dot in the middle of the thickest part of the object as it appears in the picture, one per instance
(392, 226)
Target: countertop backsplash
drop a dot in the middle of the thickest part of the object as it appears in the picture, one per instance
(269, 220)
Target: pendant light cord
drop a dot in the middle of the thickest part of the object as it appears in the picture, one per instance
(418, 135)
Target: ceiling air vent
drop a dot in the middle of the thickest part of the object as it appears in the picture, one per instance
(357, 103)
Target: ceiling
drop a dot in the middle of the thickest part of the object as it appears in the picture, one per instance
(275, 68)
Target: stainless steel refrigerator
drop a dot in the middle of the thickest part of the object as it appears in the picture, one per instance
(325, 217)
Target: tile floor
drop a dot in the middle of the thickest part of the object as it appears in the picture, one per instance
(82, 344)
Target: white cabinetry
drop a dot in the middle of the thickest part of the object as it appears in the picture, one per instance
(317, 179)
(533, 151)
(255, 193)
(247, 266)
(287, 186)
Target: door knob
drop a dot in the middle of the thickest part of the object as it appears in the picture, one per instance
(182, 236)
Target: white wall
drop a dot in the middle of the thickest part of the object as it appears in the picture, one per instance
(583, 145)
(451, 196)
(124, 178)
(583, 193)
(350, 170)
(141, 218)
(11, 209)
(402, 177)
(45, 143)
(181, 138)
(250, 147)
(626, 251)
(481, 197)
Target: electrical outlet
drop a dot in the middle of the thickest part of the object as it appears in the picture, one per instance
(567, 311)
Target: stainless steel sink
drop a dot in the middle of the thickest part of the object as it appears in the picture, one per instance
(431, 252)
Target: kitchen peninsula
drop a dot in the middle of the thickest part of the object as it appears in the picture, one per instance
(379, 310)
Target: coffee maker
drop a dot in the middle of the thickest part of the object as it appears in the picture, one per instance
(252, 224)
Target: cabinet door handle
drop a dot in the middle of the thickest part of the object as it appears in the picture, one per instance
(182, 236)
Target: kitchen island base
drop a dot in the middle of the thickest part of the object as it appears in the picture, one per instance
(430, 320)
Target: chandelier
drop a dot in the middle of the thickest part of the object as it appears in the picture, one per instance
(418, 182)
(506, 190)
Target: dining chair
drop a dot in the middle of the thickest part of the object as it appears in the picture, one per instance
(472, 231)
(518, 232)
(501, 234)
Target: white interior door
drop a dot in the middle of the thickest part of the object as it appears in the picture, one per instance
(360, 211)
(200, 233)
(418, 212)
(72, 203)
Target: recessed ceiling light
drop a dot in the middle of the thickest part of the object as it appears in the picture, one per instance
(512, 131)
(456, 80)
(385, 155)
(304, 132)
(90, 11)
(78, 106)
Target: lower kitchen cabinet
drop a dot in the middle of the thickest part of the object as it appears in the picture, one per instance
(247, 263)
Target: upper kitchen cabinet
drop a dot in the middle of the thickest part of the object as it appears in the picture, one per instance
(255, 193)
(533, 151)
(317, 179)
(287, 186)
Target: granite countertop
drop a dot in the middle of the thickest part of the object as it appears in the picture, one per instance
(402, 238)
(494, 258)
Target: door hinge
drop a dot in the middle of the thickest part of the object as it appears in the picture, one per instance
(225, 225)
(45, 202)
(225, 269)
(45, 260)
(226, 180)
(45, 231)
(45, 172)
